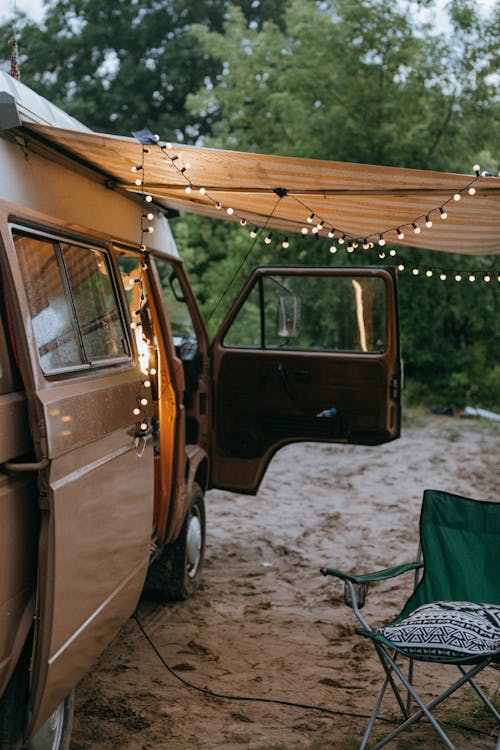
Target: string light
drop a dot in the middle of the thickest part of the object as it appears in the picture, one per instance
(321, 224)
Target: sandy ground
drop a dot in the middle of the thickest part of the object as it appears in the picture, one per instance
(266, 624)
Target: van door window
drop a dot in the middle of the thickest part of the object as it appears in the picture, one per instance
(185, 340)
(313, 313)
(74, 310)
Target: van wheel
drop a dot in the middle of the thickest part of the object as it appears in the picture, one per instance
(55, 734)
(176, 573)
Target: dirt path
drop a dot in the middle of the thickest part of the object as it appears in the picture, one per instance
(266, 624)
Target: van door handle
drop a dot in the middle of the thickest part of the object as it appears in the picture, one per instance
(26, 467)
(286, 382)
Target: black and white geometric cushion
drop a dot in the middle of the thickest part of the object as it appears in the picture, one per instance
(449, 629)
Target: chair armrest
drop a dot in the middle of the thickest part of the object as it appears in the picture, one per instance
(379, 575)
(356, 587)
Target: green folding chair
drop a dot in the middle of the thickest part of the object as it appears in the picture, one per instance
(452, 616)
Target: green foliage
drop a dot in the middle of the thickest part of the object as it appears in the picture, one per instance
(118, 65)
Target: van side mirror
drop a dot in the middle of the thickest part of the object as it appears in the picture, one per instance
(289, 312)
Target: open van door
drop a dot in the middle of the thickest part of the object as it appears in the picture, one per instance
(306, 354)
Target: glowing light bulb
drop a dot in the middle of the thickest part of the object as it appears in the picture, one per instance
(401, 267)
(304, 230)
(472, 191)
(443, 213)
(392, 252)
(416, 228)
(401, 234)
(136, 411)
(136, 168)
(428, 273)
(188, 189)
(243, 222)
(253, 233)
(476, 168)
(218, 205)
(416, 271)
(487, 278)
(366, 244)
(268, 239)
(144, 402)
(310, 219)
(428, 222)
(342, 239)
(230, 211)
(149, 216)
(148, 198)
(315, 230)
(285, 244)
(202, 191)
(152, 371)
(442, 276)
(331, 234)
(350, 248)
(144, 426)
(472, 277)
(147, 384)
(457, 197)
(458, 277)
(138, 182)
(333, 248)
(381, 240)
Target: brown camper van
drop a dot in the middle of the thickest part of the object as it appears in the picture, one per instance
(117, 413)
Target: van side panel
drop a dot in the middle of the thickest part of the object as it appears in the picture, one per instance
(39, 184)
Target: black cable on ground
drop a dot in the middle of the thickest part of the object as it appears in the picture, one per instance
(277, 701)
(214, 694)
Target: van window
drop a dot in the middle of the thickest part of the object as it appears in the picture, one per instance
(74, 310)
(313, 312)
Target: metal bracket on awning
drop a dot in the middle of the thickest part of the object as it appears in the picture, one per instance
(9, 114)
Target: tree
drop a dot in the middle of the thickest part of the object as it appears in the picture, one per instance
(119, 65)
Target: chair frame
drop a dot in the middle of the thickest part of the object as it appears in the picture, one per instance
(356, 587)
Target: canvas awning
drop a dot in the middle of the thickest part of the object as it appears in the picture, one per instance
(281, 193)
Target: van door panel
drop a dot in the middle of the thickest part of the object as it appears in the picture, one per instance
(332, 383)
(96, 495)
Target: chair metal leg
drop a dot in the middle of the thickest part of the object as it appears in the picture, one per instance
(424, 709)
(410, 680)
(480, 693)
(374, 714)
(388, 673)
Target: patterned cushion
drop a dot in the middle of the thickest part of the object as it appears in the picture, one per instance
(449, 629)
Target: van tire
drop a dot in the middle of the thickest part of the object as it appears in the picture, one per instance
(55, 734)
(176, 573)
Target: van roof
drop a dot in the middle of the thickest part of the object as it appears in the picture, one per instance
(33, 108)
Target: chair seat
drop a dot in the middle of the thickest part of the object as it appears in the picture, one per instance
(447, 629)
